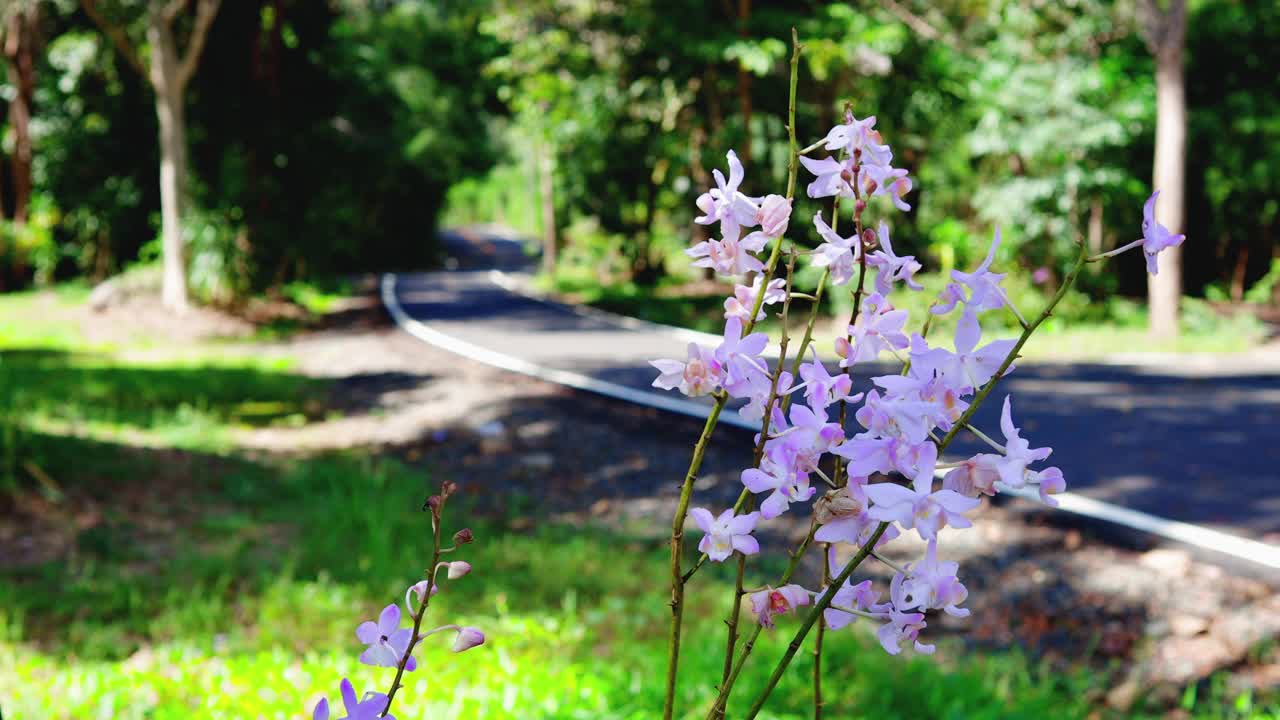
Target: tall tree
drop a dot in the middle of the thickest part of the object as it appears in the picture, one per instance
(168, 70)
(20, 40)
(1164, 30)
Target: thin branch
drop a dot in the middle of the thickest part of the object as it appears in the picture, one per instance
(206, 11)
(117, 36)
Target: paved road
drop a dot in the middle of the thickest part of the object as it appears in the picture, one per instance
(1200, 447)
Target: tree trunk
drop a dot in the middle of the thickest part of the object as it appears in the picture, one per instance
(1095, 226)
(19, 50)
(1165, 289)
(547, 198)
(173, 159)
(744, 83)
(1241, 269)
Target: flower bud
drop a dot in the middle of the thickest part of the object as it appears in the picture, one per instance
(843, 348)
(448, 487)
(458, 568)
(462, 537)
(433, 503)
(836, 504)
(468, 637)
(869, 240)
(775, 213)
(859, 206)
(420, 589)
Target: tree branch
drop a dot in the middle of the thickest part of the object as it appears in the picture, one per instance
(117, 37)
(206, 11)
(173, 10)
(1160, 28)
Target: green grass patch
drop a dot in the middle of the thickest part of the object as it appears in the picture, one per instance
(42, 318)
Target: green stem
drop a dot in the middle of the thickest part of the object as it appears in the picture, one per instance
(717, 709)
(699, 450)
(817, 643)
(822, 604)
(735, 611)
(436, 514)
(677, 548)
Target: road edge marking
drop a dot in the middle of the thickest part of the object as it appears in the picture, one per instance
(1205, 538)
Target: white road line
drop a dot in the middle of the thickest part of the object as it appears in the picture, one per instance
(1195, 535)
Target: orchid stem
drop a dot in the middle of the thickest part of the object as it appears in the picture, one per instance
(717, 709)
(695, 463)
(984, 437)
(1113, 253)
(895, 566)
(821, 604)
(436, 514)
(818, 702)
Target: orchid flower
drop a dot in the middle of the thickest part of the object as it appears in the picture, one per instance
(387, 641)
(837, 254)
(1155, 237)
(890, 267)
(769, 602)
(726, 533)
(725, 204)
(701, 374)
(778, 477)
(969, 367)
(877, 328)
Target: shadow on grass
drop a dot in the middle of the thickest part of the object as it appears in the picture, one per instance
(89, 387)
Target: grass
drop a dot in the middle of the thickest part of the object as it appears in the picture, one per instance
(216, 584)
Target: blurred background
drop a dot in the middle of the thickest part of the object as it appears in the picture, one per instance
(213, 441)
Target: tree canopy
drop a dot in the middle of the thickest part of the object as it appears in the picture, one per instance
(327, 137)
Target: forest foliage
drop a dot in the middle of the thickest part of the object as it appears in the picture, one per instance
(328, 137)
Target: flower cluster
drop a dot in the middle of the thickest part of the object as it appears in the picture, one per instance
(389, 644)
(886, 477)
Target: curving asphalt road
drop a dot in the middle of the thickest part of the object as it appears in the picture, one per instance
(1198, 446)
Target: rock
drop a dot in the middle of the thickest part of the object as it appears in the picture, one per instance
(1184, 625)
(106, 294)
(1175, 563)
(1179, 659)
